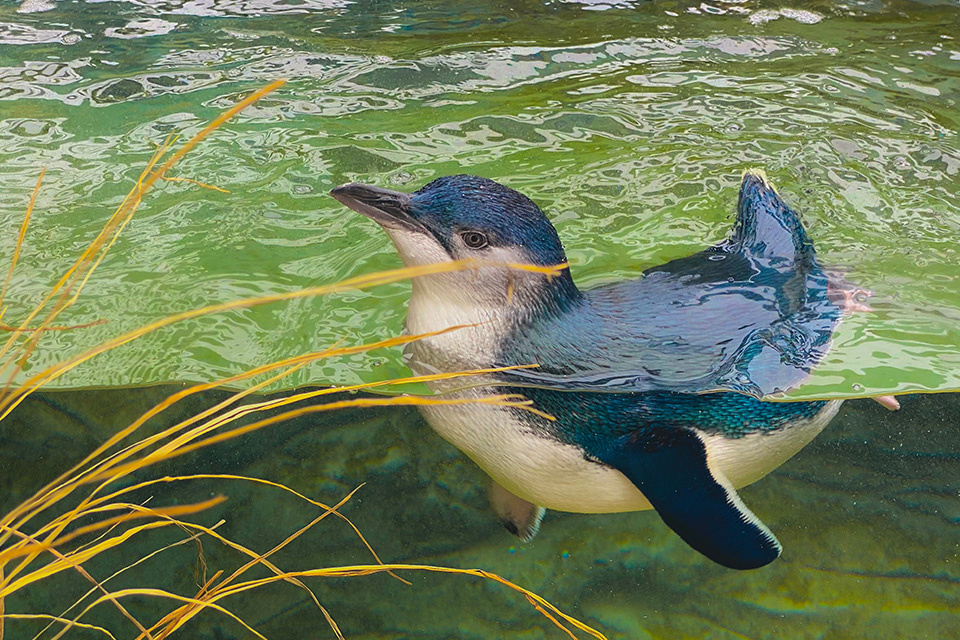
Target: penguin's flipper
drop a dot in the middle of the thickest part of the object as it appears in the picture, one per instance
(520, 517)
(669, 465)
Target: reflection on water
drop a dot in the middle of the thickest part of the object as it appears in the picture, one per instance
(628, 122)
(867, 515)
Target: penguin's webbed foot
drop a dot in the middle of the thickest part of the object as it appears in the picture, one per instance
(520, 517)
(846, 295)
(888, 402)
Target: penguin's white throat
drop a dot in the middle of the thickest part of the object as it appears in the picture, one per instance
(486, 301)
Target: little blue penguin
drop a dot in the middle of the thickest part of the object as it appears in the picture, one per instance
(654, 384)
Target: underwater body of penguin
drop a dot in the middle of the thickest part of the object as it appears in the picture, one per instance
(653, 383)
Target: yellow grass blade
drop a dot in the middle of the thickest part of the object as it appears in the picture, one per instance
(95, 253)
(227, 476)
(183, 448)
(160, 593)
(210, 128)
(262, 558)
(138, 513)
(74, 558)
(88, 577)
(198, 183)
(48, 495)
(255, 558)
(366, 570)
(210, 592)
(126, 207)
(85, 325)
(549, 616)
(59, 524)
(7, 587)
(21, 236)
(506, 400)
(359, 282)
(210, 531)
(68, 623)
(194, 537)
(60, 487)
(118, 221)
(502, 400)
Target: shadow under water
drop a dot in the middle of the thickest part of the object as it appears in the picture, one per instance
(868, 516)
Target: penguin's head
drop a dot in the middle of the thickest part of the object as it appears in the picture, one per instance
(467, 217)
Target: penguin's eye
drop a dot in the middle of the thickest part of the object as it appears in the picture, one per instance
(474, 239)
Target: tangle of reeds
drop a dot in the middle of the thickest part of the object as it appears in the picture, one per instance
(88, 511)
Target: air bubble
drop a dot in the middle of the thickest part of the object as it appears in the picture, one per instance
(858, 388)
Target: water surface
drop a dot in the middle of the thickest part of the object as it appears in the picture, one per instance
(628, 122)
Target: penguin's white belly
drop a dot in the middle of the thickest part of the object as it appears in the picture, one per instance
(745, 460)
(537, 468)
(557, 476)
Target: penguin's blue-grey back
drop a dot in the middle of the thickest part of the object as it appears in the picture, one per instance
(751, 315)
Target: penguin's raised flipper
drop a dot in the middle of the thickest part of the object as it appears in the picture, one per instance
(520, 517)
(669, 465)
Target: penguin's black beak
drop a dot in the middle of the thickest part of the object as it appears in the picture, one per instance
(389, 209)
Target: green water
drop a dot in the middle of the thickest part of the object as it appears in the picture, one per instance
(630, 126)
(868, 515)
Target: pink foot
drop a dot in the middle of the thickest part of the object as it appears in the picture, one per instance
(851, 300)
(846, 295)
(890, 402)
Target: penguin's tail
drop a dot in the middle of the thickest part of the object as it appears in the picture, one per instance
(766, 227)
